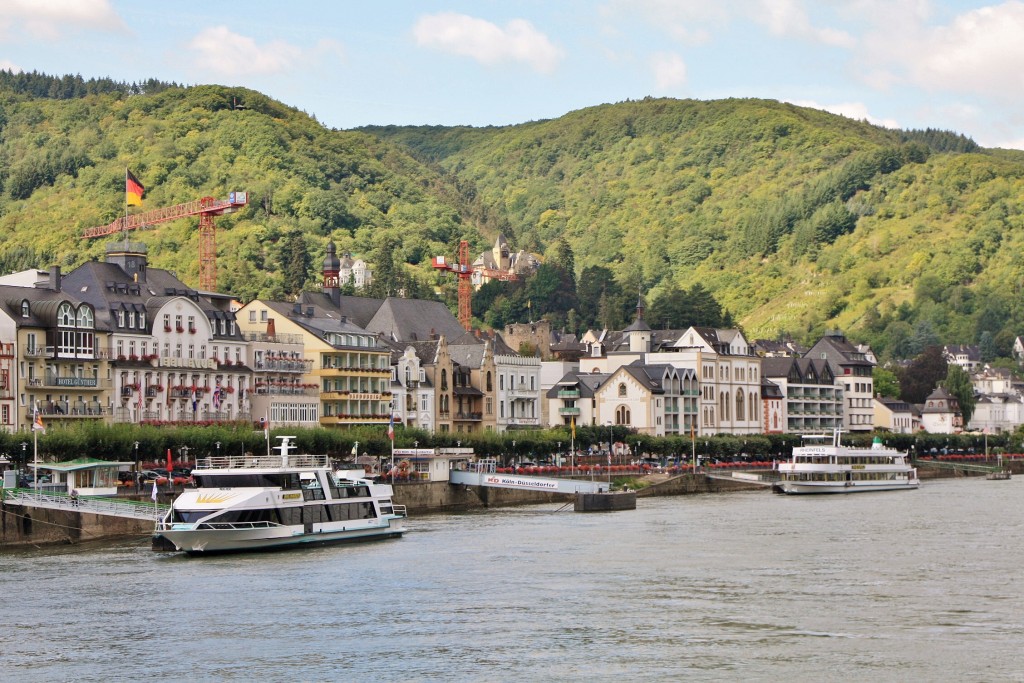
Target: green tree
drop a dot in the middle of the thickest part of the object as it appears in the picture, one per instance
(885, 382)
(958, 383)
(388, 277)
(987, 347)
(295, 261)
(597, 288)
(923, 375)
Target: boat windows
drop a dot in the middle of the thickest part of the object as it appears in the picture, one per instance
(189, 516)
(361, 491)
(258, 516)
(247, 480)
(313, 491)
(343, 512)
(290, 516)
(314, 514)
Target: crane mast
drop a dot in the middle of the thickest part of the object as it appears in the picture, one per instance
(464, 273)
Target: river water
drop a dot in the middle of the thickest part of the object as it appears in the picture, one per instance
(902, 586)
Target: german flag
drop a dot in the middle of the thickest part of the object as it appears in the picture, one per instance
(133, 189)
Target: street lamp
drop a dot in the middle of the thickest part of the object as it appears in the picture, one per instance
(217, 444)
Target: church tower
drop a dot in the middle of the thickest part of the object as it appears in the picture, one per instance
(331, 286)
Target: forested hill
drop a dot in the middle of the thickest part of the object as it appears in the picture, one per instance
(795, 219)
(66, 142)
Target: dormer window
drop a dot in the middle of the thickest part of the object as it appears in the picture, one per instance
(24, 309)
(120, 318)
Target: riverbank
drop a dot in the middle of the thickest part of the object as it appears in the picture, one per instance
(21, 526)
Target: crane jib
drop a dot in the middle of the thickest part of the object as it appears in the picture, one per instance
(204, 206)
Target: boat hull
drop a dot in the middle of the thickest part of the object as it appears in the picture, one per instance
(211, 541)
(801, 487)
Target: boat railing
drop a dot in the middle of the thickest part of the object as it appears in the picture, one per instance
(399, 510)
(256, 461)
(236, 526)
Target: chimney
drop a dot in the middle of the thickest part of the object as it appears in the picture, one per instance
(55, 278)
(271, 331)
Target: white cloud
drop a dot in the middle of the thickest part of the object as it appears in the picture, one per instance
(979, 52)
(683, 21)
(693, 23)
(220, 50)
(7, 65)
(787, 18)
(487, 43)
(49, 19)
(857, 111)
(669, 71)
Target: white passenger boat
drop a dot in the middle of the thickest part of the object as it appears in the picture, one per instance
(835, 468)
(274, 501)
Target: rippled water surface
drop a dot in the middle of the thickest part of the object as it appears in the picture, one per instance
(903, 586)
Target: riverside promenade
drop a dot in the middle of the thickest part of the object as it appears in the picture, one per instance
(22, 525)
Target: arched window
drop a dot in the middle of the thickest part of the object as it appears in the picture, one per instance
(739, 406)
(65, 315)
(622, 416)
(489, 385)
(444, 380)
(24, 309)
(622, 389)
(85, 319)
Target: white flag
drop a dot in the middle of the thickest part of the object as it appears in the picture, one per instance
(154, 491)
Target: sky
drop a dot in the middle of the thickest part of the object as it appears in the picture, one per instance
(913, 64)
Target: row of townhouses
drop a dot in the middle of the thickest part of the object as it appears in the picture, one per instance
(118, 341)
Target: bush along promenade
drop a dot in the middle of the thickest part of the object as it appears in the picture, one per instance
(149, 444)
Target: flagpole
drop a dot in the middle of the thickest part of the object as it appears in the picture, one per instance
(35, 452)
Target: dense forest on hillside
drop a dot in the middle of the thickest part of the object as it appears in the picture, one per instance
(781, 219)
(796, 220)
(64, 169)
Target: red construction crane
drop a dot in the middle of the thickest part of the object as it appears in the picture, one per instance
(465, 273)
(206, 208)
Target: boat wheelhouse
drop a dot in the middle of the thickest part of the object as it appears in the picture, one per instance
(275, 501)
(835, 468)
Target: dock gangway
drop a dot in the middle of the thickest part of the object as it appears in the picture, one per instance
(484, 473)
(131, 509)
(965, 467)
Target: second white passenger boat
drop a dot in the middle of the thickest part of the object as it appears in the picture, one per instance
(275, 501)
(835, 468)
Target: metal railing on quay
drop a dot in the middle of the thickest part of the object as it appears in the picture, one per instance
(99, 505)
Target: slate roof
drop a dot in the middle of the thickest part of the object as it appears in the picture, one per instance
(413, 320)
(586, 382)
